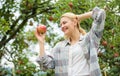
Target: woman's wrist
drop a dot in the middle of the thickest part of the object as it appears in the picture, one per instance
(41, 42)
(88, 14)
(41, 45)
(85, 15)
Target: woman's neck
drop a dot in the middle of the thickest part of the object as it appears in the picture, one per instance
(75, 37)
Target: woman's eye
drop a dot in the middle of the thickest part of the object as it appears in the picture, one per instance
(64, 22)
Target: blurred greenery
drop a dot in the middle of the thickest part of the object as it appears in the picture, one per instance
(18, 20)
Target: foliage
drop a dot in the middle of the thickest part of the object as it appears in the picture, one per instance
(15, 40)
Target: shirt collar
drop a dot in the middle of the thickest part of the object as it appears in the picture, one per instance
(67, 41)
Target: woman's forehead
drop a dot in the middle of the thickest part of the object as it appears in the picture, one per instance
(64, 19)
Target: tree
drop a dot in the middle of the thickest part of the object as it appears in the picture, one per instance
(14, 39)
(12, 29)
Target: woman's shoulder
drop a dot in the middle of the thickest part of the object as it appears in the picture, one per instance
(61, 43)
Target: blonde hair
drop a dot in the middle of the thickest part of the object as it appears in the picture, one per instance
(73, 16)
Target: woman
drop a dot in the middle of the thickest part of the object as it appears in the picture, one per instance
(77, 54)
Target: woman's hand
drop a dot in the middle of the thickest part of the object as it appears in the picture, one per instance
(40, 37)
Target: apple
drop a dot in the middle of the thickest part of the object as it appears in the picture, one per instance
(18, 71)
(100, 54)
(70, 4)
(116, 54)
(41, 29)
(104, 43)
(31, 23)
(21, 62)
(29, 6)
(111, 46)
(51, 18)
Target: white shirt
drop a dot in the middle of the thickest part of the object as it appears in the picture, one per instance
(78, 65)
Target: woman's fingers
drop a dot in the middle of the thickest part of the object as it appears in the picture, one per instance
(40, 37)
(36, 34)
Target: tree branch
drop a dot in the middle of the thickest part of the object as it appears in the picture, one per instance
(11, 27)
(12, 33)
(2, 43)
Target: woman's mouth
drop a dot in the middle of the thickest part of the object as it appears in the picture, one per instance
(64, 29)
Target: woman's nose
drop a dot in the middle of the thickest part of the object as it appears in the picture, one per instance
(62, 25)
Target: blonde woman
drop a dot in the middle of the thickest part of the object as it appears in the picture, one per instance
(77, 54)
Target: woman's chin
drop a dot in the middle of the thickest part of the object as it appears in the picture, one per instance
(66, 35)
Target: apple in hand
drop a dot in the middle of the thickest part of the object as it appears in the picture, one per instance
(41, 29)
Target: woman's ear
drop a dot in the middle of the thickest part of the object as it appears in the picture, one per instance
(75, 22)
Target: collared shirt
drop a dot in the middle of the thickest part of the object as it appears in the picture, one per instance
(78, 65)
(89, 43)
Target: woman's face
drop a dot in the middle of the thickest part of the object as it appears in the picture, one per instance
(67, 25)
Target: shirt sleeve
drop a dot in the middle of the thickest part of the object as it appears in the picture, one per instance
(98, 16)
(47, 61)
(94, 35)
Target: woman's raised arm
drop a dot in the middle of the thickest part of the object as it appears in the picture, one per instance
(84, 16)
